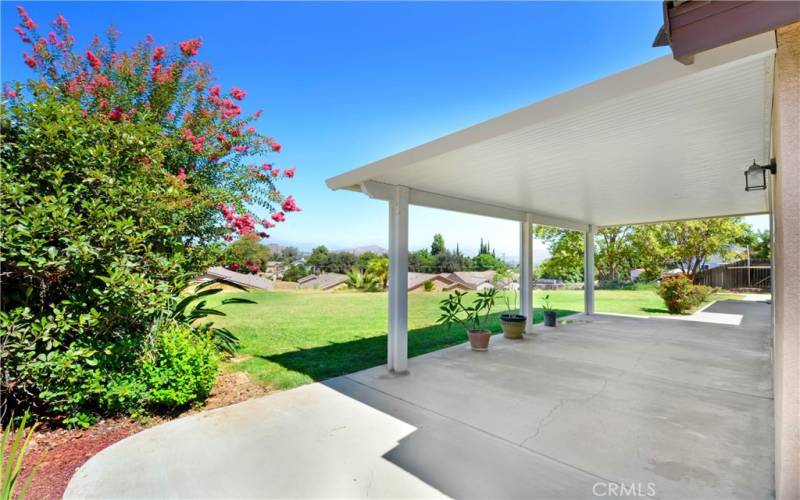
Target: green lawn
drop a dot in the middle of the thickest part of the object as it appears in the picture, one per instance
(293, 338)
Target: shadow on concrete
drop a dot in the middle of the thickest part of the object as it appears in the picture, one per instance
(462, 460)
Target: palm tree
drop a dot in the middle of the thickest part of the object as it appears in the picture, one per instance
(361, 281)
(379, 269)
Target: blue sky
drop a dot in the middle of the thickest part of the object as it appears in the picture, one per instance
(343, 84)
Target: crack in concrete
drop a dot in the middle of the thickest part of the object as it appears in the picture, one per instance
(561, 402)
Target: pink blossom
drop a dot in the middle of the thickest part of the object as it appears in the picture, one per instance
(238, 94)
(26, 19)
(189, 47)
(116, 114)
(227, 212)
(251, 130)
(181, 174)
(61, 21)
(10, 93)
(276, 172)
(31, 62)
(101, 81)
(159, 53)
(94, 61)
(266, 167)
(289, 172)
(241, 148)
(267, 224)
(214, 91)
(279, 217)
(290, 205)
(276, 146)
(22, 35)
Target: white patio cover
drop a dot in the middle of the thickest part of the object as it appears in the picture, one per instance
(657, 142)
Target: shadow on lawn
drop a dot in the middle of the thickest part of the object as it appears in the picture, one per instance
(334, 359)
(655, 310)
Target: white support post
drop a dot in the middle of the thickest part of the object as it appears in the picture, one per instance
(588, 272)
(525, 274)
(398, 280)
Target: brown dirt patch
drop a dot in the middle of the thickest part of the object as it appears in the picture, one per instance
(60, 452)
(231, 388)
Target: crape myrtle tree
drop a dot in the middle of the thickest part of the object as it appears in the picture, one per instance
(122, 173)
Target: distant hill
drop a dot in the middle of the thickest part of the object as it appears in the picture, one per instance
(367, 248)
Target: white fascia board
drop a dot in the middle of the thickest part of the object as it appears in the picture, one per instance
(663, 221)
(382, 191)
(627, 82)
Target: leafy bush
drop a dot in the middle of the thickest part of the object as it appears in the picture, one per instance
(122, 174)
(680, 294)
(428, 285)
(294, 273)
(699, 293)
(675, 291)
(247, 255)
(189, 308)
(180, 368)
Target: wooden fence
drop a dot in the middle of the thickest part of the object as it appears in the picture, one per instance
(740, 274)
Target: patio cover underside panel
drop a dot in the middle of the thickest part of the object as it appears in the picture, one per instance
(661, 141)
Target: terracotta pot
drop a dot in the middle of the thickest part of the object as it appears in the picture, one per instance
(513, 325)
(479, 339)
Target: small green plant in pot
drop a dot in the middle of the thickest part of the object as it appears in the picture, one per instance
(470, 317)
(513, 324)
(549, 312)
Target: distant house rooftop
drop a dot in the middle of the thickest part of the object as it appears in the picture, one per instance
(325, 281)
(245, 280)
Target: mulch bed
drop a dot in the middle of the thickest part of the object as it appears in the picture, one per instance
(60, 452)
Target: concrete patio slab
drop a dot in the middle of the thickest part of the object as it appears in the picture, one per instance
(678, 409)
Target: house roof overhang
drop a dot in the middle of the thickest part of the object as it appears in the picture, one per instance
(657, 142)
(693, 26)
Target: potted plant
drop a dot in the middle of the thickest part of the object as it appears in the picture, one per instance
(549, 312)
(470, 317)
(513, 324)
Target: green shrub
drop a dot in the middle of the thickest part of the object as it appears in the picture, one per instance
(680, 294)
(294, 273)
(699, 293)
(181, 367)
(675, 291)
(428, 284)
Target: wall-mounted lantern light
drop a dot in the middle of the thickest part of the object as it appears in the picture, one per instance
(755, 177)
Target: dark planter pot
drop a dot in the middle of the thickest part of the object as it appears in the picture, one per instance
(513, 325)
(549, 318)
(479, 339)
